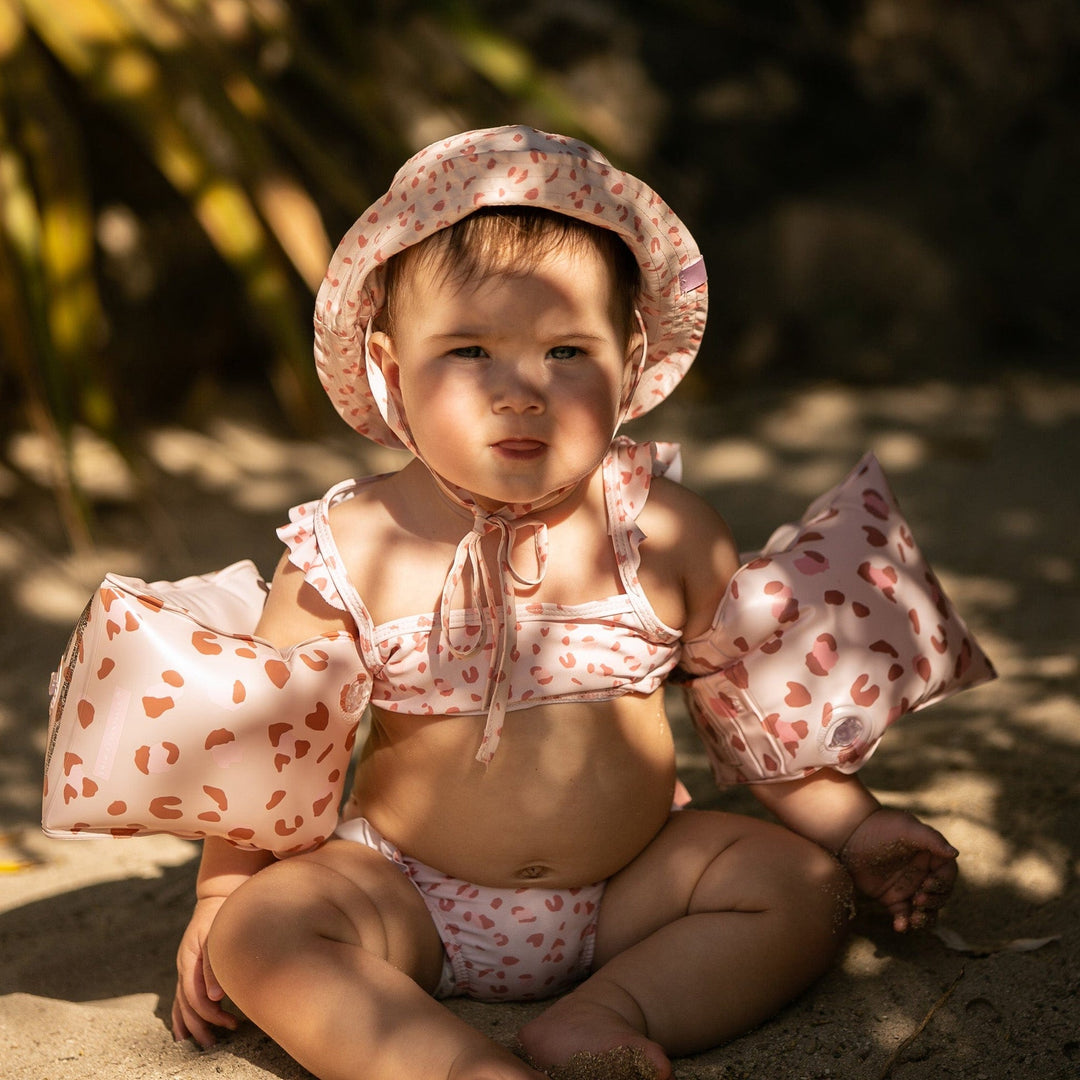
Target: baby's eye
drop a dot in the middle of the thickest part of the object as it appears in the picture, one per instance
(468, 352)
(564, 352)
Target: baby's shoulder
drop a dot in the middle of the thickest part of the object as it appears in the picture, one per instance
(368, 520)
(694, 542)
(395, 545)
(677, 514)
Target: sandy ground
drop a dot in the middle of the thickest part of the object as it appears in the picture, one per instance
(987, 476)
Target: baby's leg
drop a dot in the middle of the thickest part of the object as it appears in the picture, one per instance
(332, 955)
(715, 926)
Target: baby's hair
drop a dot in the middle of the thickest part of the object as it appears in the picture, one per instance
(513, 240)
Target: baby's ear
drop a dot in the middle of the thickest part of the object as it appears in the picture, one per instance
(384, 355)
(636, 341)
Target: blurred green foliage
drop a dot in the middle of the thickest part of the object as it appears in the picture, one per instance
(882, 188)
(171, 172)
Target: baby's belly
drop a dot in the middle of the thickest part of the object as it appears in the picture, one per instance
(573, 794)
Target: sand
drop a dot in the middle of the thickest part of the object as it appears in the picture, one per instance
(622, 1063)
(987, 476)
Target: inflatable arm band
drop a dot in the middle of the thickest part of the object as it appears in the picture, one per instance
(837, 628)
(167, 715)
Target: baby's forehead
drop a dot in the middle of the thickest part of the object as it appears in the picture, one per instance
(563, 260)
(492, 245)
(519, 245)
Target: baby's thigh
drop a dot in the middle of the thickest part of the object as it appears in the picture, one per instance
(708, 861)
(343, 896)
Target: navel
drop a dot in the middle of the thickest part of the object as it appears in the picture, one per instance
(534, 872)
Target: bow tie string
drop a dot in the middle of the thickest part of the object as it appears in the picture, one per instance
(485, 583)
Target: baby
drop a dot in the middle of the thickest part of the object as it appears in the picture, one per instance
(519, 593)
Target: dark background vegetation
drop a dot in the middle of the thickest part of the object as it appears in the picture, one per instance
(885, 190)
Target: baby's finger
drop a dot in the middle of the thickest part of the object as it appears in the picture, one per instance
(901, 913)
(927, 903)
(179, 1028)
(938, 846)
(932, 898)
(935, 889)
(208, 994)
(214, 990)
(921, 919)
(213, 1013)
(200, 1009)
(944, 868)
(902, 886)
(188, 1024)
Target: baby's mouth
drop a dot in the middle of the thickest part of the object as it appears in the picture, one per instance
(521, 448)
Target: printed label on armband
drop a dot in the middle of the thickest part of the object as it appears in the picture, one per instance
(114, 727)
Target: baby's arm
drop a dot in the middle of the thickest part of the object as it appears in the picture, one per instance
(892, 857)
(293, 613)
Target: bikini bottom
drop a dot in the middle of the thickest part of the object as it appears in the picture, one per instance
(519, 944)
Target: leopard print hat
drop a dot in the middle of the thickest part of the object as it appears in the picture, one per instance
(506, 166)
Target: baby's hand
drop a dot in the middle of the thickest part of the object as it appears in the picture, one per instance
(197, 1008)
(906, 865)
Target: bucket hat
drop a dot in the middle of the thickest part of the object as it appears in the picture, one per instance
(506, 166)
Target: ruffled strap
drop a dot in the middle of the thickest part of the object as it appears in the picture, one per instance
(312, 549)
(303, 551)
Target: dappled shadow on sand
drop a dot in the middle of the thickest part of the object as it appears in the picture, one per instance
(986, 476)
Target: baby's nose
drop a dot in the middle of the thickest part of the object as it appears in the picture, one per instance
(519, 389)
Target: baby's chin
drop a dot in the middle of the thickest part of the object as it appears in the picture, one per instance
(538, 493)
(533, 499)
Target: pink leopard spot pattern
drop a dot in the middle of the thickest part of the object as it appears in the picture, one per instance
(136, 747)
(833, 632)
(500, 945)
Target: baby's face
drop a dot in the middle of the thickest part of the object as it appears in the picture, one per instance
(511, 385)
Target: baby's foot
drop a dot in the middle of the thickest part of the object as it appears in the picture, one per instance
(582, 1039)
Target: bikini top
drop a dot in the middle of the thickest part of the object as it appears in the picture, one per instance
(482, 652)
